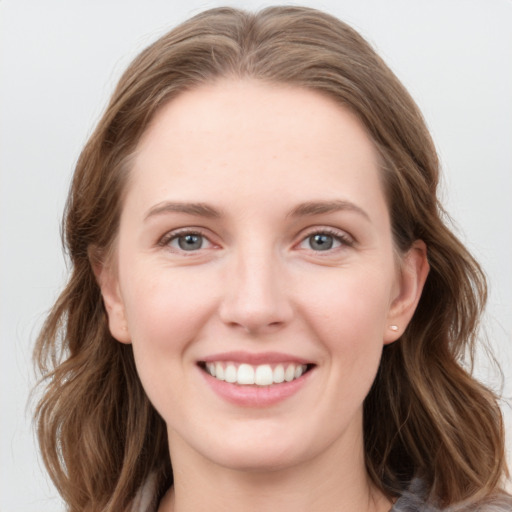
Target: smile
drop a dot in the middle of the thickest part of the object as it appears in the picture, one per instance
(259, 375)
(255, 380)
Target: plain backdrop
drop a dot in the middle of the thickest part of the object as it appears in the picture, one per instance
(59, 63)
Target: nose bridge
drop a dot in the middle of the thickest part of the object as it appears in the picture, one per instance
(256, 297)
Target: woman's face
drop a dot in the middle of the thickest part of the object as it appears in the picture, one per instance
(255, 274)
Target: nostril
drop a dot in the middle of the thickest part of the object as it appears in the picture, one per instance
(255, 301)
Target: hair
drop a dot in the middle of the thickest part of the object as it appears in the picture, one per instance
(425, 415)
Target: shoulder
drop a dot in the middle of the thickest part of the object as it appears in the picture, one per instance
(413, 500)
(498, 503)
(145, 500)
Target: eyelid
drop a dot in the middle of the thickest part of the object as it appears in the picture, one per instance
(168, 237)
(340, 235)
(345, 239)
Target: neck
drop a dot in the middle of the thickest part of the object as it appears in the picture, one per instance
(334, 481)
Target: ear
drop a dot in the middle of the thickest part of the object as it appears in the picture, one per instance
(108, 281)
(413, 273)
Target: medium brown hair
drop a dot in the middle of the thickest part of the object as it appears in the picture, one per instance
(424, 416)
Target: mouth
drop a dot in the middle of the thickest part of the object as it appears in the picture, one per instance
(244, 374)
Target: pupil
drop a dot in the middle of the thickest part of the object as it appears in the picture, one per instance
(321, 242)
(190, 242)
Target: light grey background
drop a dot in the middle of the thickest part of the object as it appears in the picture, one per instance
(59, 62)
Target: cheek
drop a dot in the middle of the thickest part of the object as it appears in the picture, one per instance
(350, 303)
(164, 316)
(166, 309)
(349, 318)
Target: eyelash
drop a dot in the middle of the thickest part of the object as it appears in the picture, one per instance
(175, 235)
(342, 238)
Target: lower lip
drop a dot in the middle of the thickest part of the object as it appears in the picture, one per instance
(255, 396)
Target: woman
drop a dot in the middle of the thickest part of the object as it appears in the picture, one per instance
(266, 309)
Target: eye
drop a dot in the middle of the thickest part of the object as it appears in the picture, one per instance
(325, 241)
(186, 241)
(321, 242)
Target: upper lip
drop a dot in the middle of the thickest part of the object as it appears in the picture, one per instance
(255, 358)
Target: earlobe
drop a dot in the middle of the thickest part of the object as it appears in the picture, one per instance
(114, 305)
(414, 270)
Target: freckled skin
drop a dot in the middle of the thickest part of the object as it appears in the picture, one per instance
(255, 280)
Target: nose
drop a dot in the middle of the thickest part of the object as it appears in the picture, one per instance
(256, 297)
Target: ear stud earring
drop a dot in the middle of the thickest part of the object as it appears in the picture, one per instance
(394, 327)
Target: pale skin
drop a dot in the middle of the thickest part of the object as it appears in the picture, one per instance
(255, 222)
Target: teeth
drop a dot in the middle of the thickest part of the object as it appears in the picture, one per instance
(261, 375)
(289, 374)
(230, 373)
(264, 376)
(245, 374)
(278, 374)
(219, 371)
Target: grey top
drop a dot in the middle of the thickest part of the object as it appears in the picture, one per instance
(412, 500)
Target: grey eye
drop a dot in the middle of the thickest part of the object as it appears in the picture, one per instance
(190, 242)
(321, 242)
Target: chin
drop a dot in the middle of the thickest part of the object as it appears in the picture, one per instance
(251, 447)
(259, 460)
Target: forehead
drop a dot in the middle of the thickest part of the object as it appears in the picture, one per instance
(249, 109)
(254, 138)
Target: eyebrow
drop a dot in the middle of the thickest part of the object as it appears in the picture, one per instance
(322, 207)
(197, 209)
(309, 208)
